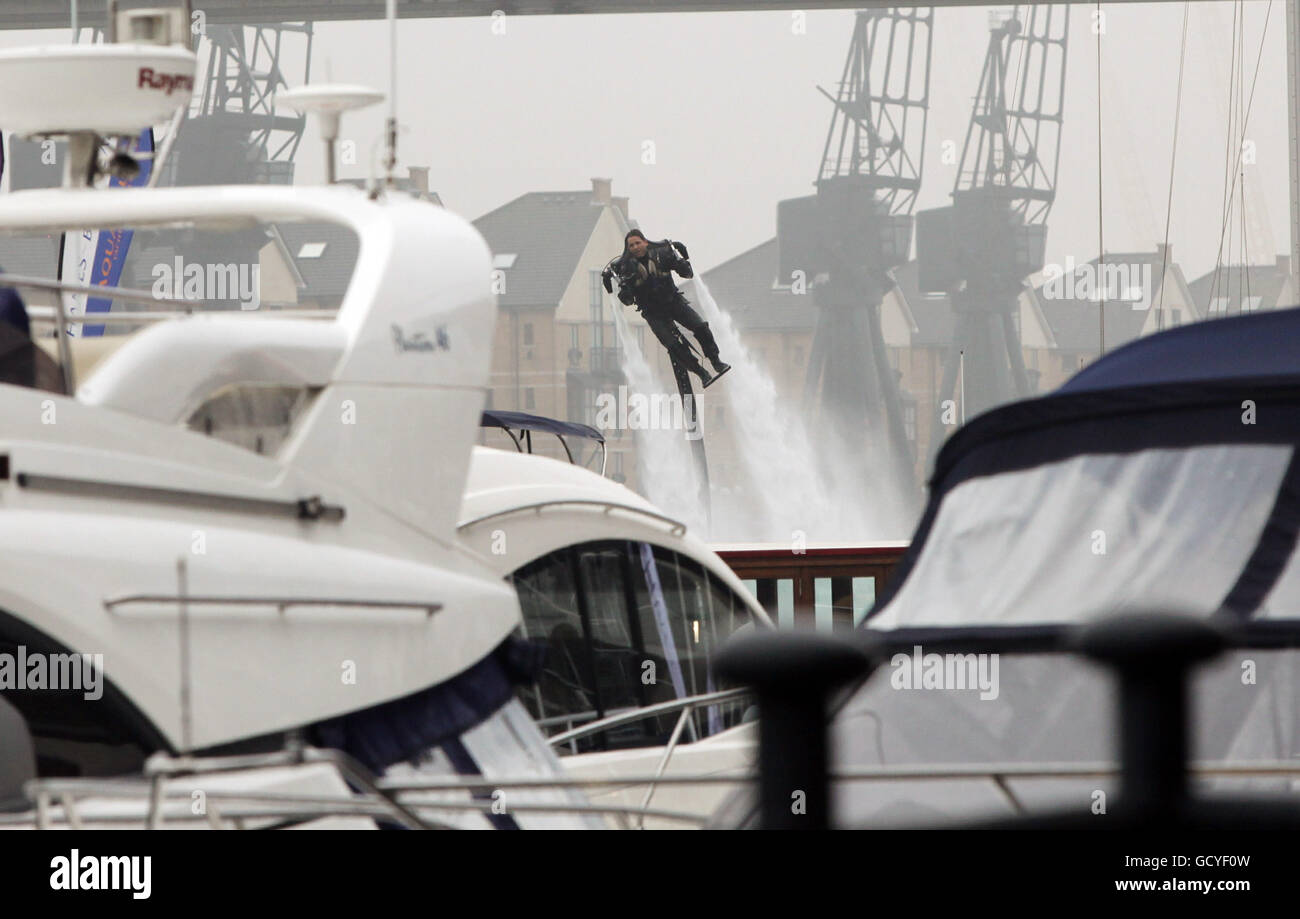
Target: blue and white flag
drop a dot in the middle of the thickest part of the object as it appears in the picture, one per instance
(95, 257)
(112, 245)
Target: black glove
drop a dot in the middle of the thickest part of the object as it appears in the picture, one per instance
(681, 250)
(625, 294)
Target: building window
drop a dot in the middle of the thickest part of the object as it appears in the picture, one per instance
(1250, 304)
(1218, 306)
(528, 333)
(575, 337)
(529, 401)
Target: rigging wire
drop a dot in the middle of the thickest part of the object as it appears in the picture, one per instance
(1101, 225)
(1229, 183)
(1239, 186)
(1250, 102)
(1173, 158)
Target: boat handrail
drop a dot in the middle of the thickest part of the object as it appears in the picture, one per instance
(127, 294)
(392, 803)
(677, 527)
(50, 314)
(390, 798)
(313, 507)
(648, 711)
(282, 604)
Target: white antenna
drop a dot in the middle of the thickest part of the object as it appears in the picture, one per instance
(328, 102)
(390, 161)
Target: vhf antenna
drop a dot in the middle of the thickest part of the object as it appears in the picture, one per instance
(390, 160)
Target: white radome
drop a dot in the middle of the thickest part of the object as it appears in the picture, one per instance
(110, 89)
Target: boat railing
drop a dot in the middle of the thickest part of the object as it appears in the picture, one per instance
(677, 527)
(402, 800)
(687, 706)
(61, 316)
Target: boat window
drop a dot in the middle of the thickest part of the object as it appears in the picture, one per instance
(626, 625)
(549, 600)
(256, 417)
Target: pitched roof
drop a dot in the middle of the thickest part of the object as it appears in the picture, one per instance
(327, 274)
(547, 232)
(1237, 283)
(744, 286)
(1075, 321)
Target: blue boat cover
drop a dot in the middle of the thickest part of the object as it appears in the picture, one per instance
(1253, 346)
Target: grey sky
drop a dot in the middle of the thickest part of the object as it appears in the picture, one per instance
(729, 101)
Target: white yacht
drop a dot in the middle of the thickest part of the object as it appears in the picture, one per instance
(310, 608)
(629, 606)
(312, 615)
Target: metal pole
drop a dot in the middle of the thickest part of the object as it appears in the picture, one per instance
(182, 584)
(65, 350)
(1293, 135)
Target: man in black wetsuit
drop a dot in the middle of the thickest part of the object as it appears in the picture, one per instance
(644, 273)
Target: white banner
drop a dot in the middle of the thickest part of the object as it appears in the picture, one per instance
(78, 251)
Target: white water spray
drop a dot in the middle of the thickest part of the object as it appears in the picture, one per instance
(665, 468)
(784, 482)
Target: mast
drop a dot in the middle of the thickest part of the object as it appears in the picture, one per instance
(1293, 134)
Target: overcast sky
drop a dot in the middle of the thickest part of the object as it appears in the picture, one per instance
(730, 102)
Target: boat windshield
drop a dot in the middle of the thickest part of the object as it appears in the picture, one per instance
(626, 625)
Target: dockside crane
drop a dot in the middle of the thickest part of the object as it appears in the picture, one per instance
(844, 240)
(980, 249)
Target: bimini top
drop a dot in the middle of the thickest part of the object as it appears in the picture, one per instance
(1161, 478)
(522, 421)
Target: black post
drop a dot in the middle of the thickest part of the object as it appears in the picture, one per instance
(1153, 656)
(793, 674)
